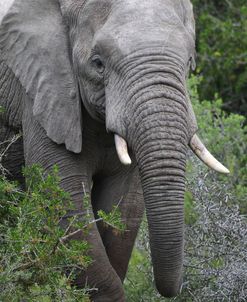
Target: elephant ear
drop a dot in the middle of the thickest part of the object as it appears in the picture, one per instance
(34, 44)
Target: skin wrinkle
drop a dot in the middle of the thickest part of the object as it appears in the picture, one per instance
(175, 175)
(175, 178)
(172, 119)
(171, 211)
(149, 84)
(160, 79)
(130, 68)
(14, 91)
(15, 112)
(143, 140)
(150, 71)
(138, 116)
(169, 233)
(156, 93)
(164, 180)
(172, 158)
(160, 154)
(128, 72)
(147, 160)
(170, 145)
(177, 170)
(149, 96)
(165, 232)
(138, 99)
(144, 58)
(143, 54)
(166, 183)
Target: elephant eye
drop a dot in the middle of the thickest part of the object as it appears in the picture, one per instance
(98, 64)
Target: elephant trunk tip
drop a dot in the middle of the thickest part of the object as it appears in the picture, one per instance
(168, 290)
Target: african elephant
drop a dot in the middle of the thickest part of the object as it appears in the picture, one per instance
(98, 87)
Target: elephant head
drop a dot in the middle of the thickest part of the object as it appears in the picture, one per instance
(126, 62)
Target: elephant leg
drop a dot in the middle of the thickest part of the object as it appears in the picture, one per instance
(73, 173)
(108, 192)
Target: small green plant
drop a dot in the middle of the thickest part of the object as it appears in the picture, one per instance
(2, 110)
(33, 253)
(113, 220)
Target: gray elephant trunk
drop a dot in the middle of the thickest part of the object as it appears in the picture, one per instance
(162, 166)
(160, 143)
(162, 177)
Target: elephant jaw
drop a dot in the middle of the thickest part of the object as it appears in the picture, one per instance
(195, 144)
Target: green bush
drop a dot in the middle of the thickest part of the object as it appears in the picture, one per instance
(225, 135)
(38, 258)
(222, 51)
(33, 253)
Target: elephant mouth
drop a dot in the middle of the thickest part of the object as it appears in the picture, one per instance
(195, 144)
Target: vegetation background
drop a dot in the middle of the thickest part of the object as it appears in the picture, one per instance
(33, 259)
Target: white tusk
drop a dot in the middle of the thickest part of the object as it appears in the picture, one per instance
(205, 156)
(122, 150)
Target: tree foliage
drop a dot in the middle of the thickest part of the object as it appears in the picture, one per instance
(222, 51)
(34, 254)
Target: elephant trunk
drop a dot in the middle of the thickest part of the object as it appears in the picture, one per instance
(161, 158)
(160, 142)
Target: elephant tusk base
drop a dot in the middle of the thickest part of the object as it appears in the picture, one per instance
(122, 150)
(205, 156)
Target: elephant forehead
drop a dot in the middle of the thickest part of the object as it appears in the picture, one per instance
(133, 23)
(127, 38)
(168, 11)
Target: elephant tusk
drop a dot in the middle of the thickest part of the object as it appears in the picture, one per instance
(205, 156)
(122, 150)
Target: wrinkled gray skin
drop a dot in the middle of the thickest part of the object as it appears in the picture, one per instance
(72, 74)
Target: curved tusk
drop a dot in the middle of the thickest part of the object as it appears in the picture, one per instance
(122, 150)
(205, 156)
